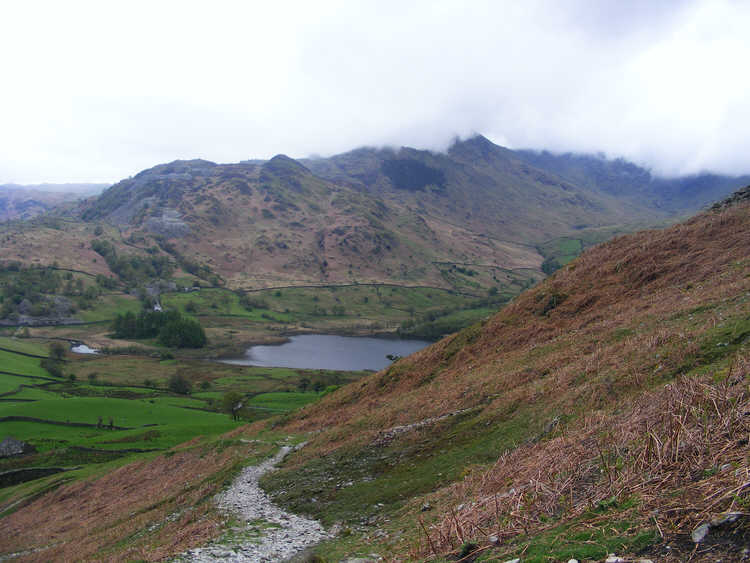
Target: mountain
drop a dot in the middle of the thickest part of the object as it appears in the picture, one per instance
(27, 201)
(482, 186)
(474, 218)
(625, 179)
(403, 215)
(604, 410)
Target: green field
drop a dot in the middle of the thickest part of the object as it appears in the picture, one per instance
(32, 393)
(23, 345)
(109, 306)
(283, 402)
(15, 363)
(219, 302)
(131, 413)
(12, 382)
(110, 388)
(310, 304)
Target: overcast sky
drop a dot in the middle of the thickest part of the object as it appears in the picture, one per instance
(97, 91)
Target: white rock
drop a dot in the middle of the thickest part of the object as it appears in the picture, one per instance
(700, 533)
(572, 560)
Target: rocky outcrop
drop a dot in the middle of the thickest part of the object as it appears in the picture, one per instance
(734, 199)
(169, 224)
(12, 447)
(385, 437)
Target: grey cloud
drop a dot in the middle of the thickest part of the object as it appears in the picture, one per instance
(96, 97)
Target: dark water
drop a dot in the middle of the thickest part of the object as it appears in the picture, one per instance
(326, 351)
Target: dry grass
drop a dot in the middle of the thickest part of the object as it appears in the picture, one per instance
(575, 353)
(69, 246)
(604, 344)
(681, 450)
(147, 510)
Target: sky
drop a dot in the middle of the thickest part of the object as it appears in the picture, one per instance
(97, 91)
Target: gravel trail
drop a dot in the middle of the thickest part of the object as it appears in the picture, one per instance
(282, 535)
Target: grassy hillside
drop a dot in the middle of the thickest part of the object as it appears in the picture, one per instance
(112, 435)
(601, 411)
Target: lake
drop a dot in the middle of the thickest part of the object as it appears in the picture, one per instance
(327, 351)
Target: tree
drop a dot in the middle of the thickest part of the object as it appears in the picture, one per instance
(57, 351)
(54, 368)
(180, 384)
(303, 384)
(182, 333)
(170, 327)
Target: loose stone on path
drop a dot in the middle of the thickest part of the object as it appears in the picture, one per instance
(287, 535)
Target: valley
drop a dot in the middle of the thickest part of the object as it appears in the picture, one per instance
(562, 329)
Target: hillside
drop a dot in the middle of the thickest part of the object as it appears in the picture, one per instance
(476, 217)
(602, 411)
(625, 179)
(481, 186)
(362, 216)
(276, 223)
(606, 405)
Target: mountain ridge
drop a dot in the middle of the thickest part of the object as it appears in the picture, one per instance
(373, 215)
(20, 201)
(619, 176)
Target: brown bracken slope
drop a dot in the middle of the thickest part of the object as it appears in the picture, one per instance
(613, 397)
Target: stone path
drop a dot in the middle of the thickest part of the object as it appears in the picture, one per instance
(282, 534)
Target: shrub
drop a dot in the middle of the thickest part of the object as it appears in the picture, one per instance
(183, 333)
(54, 368)
(179, 384)
(57, 350)
(170, 327)
(231, 403)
